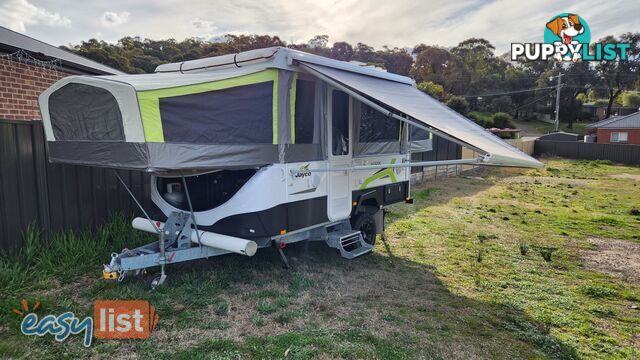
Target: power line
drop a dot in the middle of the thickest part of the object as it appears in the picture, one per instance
(534, 101)
(510, 92)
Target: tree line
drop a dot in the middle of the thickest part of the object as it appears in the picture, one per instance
(468, 76)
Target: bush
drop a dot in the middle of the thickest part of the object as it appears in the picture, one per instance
(503, 120)
(459, 104)
(631, 100)
(433, 89)
(582, 98)
(481, 119)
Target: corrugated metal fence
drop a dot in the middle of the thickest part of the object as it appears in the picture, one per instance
(55, 197)
(623, 154)
(442, 150)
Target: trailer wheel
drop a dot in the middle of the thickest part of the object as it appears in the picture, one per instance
(366, 223)
(154, 282)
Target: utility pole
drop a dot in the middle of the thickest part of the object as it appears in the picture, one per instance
(558, 86)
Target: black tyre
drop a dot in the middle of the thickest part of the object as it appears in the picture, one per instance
(366, 223)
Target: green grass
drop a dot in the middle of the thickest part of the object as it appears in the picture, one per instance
(545, 127)
(476, 268)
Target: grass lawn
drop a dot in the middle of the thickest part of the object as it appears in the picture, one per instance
(545, 127)
(518, 264)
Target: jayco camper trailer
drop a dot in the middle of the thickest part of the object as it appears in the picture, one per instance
(256, 149)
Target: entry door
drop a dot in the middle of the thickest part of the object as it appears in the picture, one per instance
(340, 150)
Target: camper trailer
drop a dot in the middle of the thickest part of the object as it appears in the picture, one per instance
(257, 149)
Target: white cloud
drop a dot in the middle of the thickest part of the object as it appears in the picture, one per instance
(204, 28)
(18, 14)
(110, 18)
(374, 22)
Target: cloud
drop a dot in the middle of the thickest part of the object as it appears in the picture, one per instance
(110, 18)
(402, 23)
(18, 14)
(204, 28)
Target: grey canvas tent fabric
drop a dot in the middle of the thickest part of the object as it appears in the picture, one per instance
(429, 112)
(245, 110)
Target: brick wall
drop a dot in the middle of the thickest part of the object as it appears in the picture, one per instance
(633, 137)
(20, 86)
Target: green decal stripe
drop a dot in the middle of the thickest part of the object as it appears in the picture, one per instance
(149, 100)
(292, 103)
(388, 172)
(275, 106)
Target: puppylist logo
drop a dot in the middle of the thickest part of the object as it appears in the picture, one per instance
(567, 37)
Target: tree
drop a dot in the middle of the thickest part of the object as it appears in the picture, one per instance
(459, 104)
(341, 51)
(396, 60)
(438, 65)
(617, 75)
(502, 104)
(483, 71)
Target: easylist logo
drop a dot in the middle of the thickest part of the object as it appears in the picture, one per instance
(123, 319)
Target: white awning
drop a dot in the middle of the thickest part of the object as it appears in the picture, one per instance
(425, 111)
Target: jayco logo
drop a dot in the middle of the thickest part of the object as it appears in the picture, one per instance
(567, 38)
(303, 171)
(112, 319)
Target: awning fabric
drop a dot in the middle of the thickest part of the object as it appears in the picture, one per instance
(427, 111)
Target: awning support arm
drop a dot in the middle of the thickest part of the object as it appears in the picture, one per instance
(136, 201)
(478, 160)
(193, 216)
(387, 112)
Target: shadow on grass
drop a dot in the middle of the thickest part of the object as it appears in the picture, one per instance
(409, 312)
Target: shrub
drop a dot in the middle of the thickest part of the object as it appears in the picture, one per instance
(503, 120)
(459, 104)
(582, 97)
(631, 99)
(481, 119)
(433, 89)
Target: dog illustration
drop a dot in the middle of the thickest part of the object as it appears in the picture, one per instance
(566, 28)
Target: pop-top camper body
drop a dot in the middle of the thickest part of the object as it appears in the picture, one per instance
(267, 146)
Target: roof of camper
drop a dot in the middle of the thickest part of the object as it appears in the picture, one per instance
(243, 63)
(273, 57)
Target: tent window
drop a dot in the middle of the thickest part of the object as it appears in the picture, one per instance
(340, 122)
(238, 115)
(376, 126)
(304, 111)
(418, 134)
(84, 112)
(419, 139)
(376, 133)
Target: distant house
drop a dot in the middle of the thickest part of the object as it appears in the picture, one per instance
(600, 111)
(617, 130)
(29, 66)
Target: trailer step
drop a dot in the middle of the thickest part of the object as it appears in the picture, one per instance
(350, 243)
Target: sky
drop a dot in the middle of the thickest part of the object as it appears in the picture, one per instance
(395, 23)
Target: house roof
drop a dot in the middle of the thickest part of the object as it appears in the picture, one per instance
(11, 41)
(631, 121)
(593, 104)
